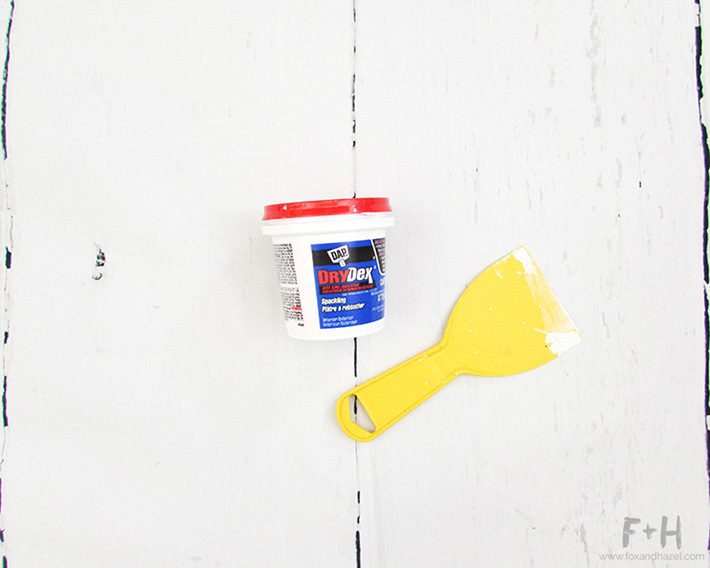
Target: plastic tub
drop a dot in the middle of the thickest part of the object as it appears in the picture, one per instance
(330, 260)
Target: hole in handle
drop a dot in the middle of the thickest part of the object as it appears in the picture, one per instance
(359, 415)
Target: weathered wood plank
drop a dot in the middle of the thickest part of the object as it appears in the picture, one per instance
(572, 128)
(160, 415)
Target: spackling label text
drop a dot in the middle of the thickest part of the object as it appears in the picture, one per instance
(350, 282)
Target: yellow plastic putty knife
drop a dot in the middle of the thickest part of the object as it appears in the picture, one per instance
(506, 321)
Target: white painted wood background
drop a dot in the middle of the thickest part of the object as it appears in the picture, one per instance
(161, 417)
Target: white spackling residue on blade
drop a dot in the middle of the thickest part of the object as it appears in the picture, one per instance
(560, 341)
(522, 255)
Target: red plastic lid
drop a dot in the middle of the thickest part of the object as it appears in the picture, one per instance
(327, 207)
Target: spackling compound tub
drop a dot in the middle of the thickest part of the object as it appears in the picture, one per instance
(330, 259)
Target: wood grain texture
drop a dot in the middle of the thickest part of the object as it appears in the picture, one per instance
(159, 414)
(573, 130)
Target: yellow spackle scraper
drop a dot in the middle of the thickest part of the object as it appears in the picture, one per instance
(506, 321)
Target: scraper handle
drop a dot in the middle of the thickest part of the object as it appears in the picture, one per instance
(388, 397)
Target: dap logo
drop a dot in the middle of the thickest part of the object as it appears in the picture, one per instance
(339, 255)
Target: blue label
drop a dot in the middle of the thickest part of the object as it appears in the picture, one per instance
(350, 282)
